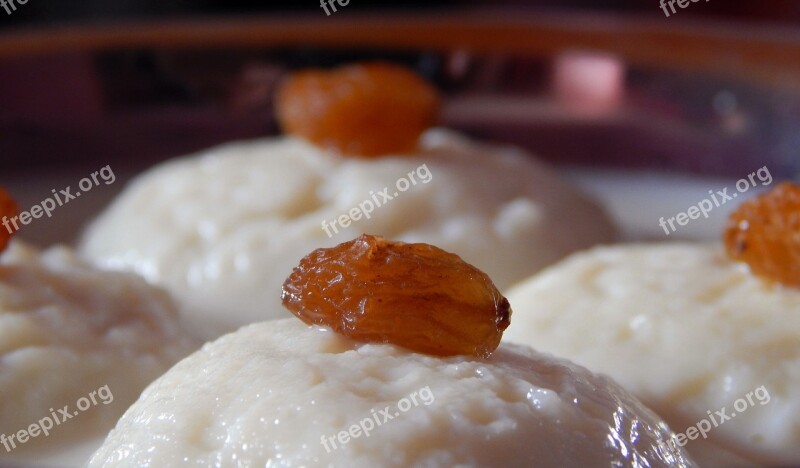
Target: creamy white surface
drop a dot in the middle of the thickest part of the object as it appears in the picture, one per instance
(222, 230)
(266, 394)
(68, 329)
(684, 329)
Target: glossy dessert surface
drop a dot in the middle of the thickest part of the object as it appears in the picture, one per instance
(685, 329)
(282, 392)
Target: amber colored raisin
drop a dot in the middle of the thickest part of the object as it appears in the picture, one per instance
(8, 209)
(765, 233)
(412, 295)
(362, 110)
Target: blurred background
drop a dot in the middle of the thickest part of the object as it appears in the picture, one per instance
(599, 88)
(787, 11)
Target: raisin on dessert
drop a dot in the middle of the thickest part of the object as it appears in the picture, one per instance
(8, 209)
(412, 295)
(365, 110)
(765, 234)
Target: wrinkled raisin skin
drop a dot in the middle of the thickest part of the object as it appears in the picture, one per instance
(765, 233)
(412, 295)
(362, 110)
(8, 208)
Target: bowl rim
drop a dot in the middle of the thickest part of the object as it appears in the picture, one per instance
(767, 56)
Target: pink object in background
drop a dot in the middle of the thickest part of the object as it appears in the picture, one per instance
(588, 83)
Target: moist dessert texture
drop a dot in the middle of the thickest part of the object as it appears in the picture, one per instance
(686, 330)
(67, 330)
(220, 229)
(271, 393)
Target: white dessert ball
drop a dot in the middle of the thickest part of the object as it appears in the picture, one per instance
(222, 230)
(281, 393)
(77, 345)
(694, 335)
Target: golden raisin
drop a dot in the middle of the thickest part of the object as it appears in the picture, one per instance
(8, 209)
(363, 110)
(765, 233)
(412, 295)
